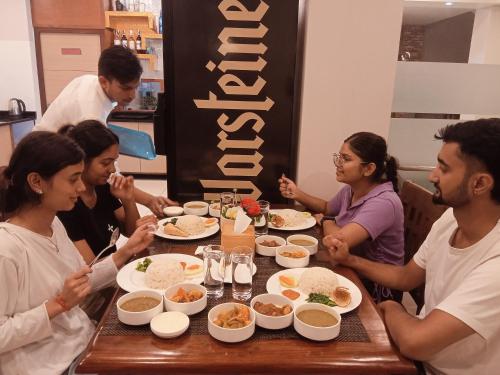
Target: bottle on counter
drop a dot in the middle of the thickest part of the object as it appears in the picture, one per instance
(131, 41)
(124, 40)
(160, 24)
(138, 41)
(116, 40)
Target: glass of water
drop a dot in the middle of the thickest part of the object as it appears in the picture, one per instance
(261, 225)
(242, 271)
(214, 270)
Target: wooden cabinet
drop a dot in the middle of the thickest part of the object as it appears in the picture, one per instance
(69, 37)
(69, 51)
(5, 144)
(80, 14)
(66, 56)
(62, 55)
(130, 164)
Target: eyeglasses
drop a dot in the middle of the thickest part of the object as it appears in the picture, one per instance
(339, 160)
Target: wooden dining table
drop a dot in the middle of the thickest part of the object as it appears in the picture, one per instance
(125, 353)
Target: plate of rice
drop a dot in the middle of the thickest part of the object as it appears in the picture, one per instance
(313, 280)
(288, 219)
(163, 271)
(187, 227)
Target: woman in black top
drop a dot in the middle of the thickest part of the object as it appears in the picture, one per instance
(108, 200)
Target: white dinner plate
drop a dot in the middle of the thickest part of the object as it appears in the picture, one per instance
(309, 223)
(207, 233)
(273, 286)
(129, 279)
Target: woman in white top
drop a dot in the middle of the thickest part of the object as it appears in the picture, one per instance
(43, 277)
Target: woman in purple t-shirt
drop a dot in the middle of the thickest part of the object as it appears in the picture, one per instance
(367, 212)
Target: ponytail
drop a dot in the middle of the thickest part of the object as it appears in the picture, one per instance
(391, 171)
(372, 148)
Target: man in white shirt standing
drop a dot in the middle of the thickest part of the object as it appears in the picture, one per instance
(458, 330)
(91, 97)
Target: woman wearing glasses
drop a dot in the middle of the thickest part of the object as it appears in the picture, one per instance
(367, 212)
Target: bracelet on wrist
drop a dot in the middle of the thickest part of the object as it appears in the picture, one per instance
(60, 301)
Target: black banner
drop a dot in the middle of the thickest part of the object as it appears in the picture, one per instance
(232, 83)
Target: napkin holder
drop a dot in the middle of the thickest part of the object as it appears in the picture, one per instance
(230, 239)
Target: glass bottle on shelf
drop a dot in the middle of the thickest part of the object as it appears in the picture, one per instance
(131, 41)
(138, 41)
(124, 40)
(116, 40)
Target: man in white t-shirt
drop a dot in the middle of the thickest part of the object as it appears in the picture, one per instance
(458, 331)
(91, 97)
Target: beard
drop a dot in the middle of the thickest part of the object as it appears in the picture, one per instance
(437, 198)
(458, 198)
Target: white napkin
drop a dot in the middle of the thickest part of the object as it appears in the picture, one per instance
(242, 222)
(199, 250)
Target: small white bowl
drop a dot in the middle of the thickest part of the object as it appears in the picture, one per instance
(188, 308)
(199, 208)
(269, 251)
(272, 322)
(141, 317)
(173, 211)
(313, 249)
(229, 334)
(169, 324)
(292, 262)
(214, 209)
(316, 333)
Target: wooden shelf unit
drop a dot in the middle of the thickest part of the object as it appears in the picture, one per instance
(152, 36)
(143, 21)
(151, 59)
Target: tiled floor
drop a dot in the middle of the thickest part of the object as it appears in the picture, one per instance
(159, 187)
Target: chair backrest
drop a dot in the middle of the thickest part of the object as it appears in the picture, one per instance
(420, 213)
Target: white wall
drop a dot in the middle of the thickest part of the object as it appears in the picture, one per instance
(349, 69)
(485, 48)
(18, 72)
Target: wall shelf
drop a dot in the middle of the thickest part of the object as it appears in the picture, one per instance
(143, 21)
(152, 36)
(151, 59)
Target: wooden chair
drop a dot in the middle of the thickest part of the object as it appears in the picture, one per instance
(420, 213)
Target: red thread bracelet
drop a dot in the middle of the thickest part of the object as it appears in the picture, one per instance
(60, 301)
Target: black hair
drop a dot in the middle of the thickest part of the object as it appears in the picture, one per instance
(480, 140)
(119, 63)
(372, 148)
(42, 152)
(92, 136)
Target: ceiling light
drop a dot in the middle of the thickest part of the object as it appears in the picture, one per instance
(448, 3)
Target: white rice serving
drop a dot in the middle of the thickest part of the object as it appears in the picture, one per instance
(191, 224)
(292, 218)
(163, 273)
(318, 280)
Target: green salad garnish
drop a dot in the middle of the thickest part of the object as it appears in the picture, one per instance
(321, 298)
(173, 221)
(143, 266)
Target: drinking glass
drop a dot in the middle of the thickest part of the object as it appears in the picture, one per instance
(214, 270)
(227, 200)
(242, 271)
(261, 226)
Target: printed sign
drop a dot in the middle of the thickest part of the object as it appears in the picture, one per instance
(231, 85)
